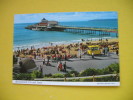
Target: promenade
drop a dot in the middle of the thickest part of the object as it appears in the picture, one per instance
(77, 64)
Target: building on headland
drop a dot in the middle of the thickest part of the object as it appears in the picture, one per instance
(44, 25)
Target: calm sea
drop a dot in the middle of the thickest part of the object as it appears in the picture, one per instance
(24, 38)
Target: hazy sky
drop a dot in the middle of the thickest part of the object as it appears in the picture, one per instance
(64, 16)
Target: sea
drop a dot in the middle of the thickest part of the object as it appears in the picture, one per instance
(24, 38)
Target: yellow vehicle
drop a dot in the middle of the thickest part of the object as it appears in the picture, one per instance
(94, 50)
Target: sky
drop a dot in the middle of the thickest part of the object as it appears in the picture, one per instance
(64, 16)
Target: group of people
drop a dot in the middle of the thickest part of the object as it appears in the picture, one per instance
(57, 53)
(61, 66)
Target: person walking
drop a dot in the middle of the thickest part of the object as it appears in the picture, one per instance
(48, 58)
(92, 55)
(80, 56)
(41, 69)
(44, 61)
(64, 65)
(58, 66)
(104, 50)
(117, 52)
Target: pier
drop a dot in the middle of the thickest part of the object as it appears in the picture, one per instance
(83, 30)
(46, 25)
(87, 30)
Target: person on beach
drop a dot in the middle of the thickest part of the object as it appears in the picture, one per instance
(82, 40)
(53, 58)
(68, 56)
(51, 44)
(106, 40)
(60, 57)
(65, 57)
(34, 55)
(106, 50)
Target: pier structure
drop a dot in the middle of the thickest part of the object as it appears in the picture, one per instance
(83, 30)
(87, 30)
(46, 25)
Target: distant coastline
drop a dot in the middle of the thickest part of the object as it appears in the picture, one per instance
(74, 21)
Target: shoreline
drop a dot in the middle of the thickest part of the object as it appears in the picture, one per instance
(41, 45)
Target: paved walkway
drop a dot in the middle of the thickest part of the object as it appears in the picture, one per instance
(78, 64)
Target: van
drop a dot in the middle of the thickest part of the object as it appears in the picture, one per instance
(94, 50)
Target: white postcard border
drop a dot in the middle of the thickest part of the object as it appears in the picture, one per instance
(66, 83)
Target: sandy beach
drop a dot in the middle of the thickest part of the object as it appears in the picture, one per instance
(70, 54)
(63, 49)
